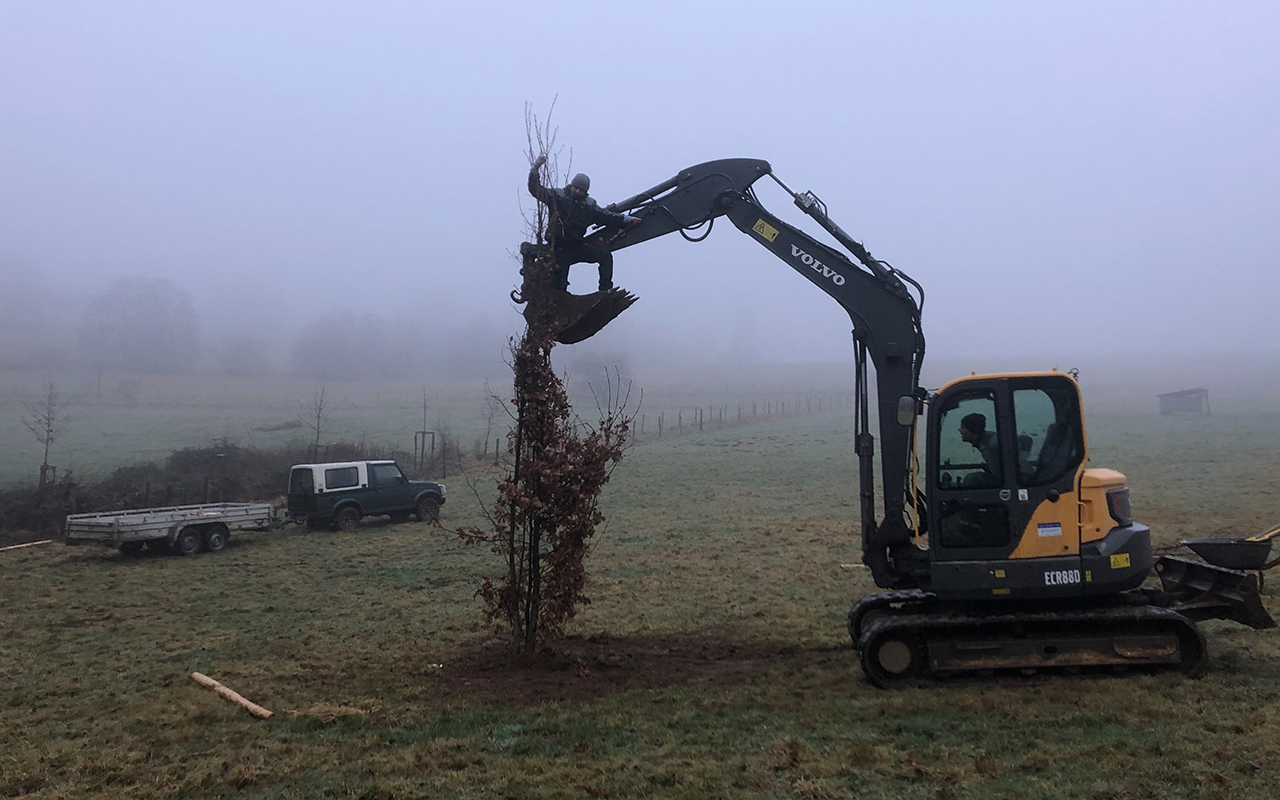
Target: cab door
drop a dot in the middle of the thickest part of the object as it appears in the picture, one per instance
(970, 481)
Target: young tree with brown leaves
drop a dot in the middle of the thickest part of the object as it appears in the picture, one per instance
(548, 505)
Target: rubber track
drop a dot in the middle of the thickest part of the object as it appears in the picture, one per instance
(954, 621)
(883, 600)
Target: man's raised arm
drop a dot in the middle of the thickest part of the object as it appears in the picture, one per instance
(535, 184)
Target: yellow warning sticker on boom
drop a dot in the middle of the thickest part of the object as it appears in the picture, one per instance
(765, 229)
(1120, 561)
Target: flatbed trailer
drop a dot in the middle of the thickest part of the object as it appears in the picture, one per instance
(187, 529)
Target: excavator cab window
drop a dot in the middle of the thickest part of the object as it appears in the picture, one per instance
(969, 451)
(971, 475)
(1050, 443)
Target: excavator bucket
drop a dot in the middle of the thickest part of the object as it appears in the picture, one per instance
(578, 317)
(568, 318)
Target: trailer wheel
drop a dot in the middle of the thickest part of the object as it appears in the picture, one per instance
(428, 510)
(348, 519)
(131, 548)
(215, 537)
(187, 542)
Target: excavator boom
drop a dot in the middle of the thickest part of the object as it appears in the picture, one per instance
(885, 317)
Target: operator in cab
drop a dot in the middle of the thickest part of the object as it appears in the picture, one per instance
(973, 430)
(571, 212)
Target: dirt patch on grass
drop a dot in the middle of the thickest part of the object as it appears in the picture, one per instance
(586, 667)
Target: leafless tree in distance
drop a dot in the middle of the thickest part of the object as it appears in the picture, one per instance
(44, 418)
(314, 416)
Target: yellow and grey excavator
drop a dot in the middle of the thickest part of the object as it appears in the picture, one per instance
(1006, 550)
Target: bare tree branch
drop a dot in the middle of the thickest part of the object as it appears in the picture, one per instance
(44, 418)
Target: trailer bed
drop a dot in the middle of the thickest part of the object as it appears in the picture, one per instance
(132, 528)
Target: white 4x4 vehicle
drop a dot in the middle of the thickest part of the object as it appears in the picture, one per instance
(338, 494)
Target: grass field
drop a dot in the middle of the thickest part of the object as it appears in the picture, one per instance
(712, 662)
(141, 419)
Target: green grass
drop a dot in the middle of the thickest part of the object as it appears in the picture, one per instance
(722, 556)
(153, 416)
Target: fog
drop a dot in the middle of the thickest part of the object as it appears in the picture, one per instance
(336, 189)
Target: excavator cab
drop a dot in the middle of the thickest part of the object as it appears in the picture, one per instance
(1014, 511)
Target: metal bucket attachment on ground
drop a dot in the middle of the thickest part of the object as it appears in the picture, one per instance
(1202, 591)
(1232, 553)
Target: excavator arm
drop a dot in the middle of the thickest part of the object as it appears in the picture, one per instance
(885, 316)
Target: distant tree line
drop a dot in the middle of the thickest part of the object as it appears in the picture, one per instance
(151, 326)
(146, 325)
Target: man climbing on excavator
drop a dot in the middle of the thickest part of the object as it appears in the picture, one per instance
(571, 211)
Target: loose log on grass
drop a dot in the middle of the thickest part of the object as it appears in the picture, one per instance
(254, 709)
(28, 544)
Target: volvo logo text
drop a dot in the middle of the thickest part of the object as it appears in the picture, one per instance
(817, 266)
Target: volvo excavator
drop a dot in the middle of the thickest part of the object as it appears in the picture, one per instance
(1004, 549)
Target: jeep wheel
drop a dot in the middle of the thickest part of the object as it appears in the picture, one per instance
(187, 542)
(347, 520)
(215, 537)
(428, 510)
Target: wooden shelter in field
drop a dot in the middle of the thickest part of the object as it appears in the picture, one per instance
(1188, 401)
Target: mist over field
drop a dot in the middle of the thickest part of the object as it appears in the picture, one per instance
(239, 238)
(234, 205)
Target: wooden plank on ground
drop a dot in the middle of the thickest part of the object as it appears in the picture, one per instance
(254, 708)
(28, 544)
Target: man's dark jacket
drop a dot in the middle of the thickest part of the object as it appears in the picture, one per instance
(570, 218)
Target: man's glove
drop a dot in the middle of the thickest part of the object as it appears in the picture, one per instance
(537, 164)
(631, 221)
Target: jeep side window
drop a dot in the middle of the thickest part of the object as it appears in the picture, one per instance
(341, 478)
(382, 474)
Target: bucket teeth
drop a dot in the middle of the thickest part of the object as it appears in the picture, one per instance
(601, 309)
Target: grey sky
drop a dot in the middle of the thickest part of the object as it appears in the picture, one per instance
(1101, 177)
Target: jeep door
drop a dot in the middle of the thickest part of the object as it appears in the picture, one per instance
(391, 491)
